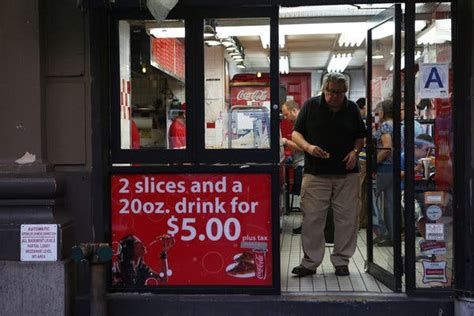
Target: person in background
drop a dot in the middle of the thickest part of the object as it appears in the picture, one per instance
(177, 130)
(290, 110)
(418, 129)
(135, 132)
(384, 143)
(423, 149)
(362, 108)
(331, 131)
(363, 170)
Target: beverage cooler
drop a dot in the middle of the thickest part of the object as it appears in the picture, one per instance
(249, 117)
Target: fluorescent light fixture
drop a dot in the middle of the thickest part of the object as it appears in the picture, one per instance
(284, 65)
(265, 39)
(281, 40)
(208, 31)
(377, 54)
(353, 37)
(212, 41)
(418, 54)
(388, 29)
(284, 30)
(320, 28)
(438, 32)
(339, 62)
(168, 32)
(228, 42)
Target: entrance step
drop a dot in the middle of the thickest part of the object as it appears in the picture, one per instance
(323, 303)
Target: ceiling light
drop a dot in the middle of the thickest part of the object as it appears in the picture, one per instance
(169, 32)
(284, 65)
(281, 40)
(209, 27)
(418, 55)
(228, 42)
(339, 62)
(265, 39)
(284, 29)
(438, 32)
(352, 38)
(212, 41)
(388, 29)
(208, 31)
(377, 54)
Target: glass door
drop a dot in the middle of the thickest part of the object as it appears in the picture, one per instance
(383, 147)
(241, 110)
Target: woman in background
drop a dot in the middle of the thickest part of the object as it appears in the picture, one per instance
(384, 142)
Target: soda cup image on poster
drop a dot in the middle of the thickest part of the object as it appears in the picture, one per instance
(191, 230)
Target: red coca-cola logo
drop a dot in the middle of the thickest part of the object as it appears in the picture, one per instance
(259, 258)
(256, 95)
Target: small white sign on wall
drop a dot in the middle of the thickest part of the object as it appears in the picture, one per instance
(434, 80)
(39, 242)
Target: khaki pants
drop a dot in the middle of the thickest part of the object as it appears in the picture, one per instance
(341, 192)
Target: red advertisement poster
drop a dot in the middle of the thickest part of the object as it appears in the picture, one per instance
(444, 145)
(191, 229)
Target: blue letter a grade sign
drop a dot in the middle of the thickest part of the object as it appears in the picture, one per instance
(434, 80)
(433, 77)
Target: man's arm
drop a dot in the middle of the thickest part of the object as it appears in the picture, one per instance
(359, 144)
(291, 144)
(313, 150)
(352, 157)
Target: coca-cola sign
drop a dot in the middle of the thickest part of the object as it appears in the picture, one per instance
(250, 95)
(256, 95)
(260, 269)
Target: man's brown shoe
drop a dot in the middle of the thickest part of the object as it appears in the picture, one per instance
(301, 271)
(341, 270)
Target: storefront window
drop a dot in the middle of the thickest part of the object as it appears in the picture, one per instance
(433, 147)
(237, 103)
(152, 89)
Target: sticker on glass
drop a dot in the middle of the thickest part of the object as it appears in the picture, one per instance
(434, 212)
(432, 247)
(434, 271)
(434, 231)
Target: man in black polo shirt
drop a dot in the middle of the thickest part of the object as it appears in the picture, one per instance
(331, 132)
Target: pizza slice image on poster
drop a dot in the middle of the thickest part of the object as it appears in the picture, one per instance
(191, 230)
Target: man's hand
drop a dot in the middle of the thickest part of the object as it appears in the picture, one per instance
(316, 151)
(351, 160)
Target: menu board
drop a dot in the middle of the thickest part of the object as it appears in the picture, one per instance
(191, 230)
(167, 54)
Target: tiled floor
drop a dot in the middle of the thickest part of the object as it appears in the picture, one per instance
(324, 280)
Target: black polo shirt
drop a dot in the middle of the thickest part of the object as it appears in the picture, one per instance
(334, 132)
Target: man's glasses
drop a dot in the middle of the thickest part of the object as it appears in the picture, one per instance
(335, 92)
